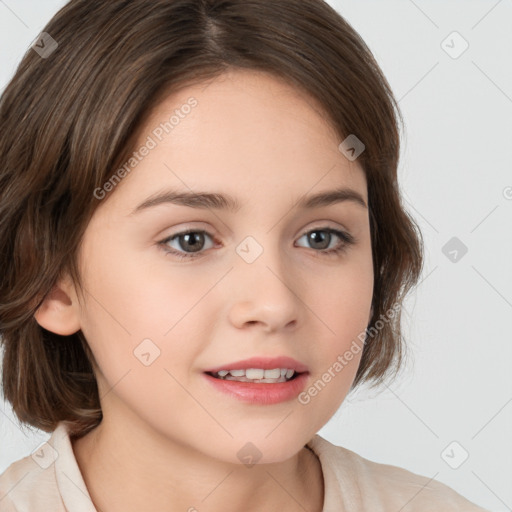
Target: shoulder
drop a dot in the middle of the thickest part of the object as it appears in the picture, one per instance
(31, 482)
(383, 487)
(25, 485)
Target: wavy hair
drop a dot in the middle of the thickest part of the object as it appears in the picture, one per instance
(69, 119)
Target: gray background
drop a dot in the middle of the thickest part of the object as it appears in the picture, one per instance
(456, 179)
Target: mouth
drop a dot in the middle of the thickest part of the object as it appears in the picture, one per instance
(258, 391)
(260, 380)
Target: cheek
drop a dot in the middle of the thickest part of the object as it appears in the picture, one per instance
(132, 301)
(133, 295)
(342, 298)
(342, 303)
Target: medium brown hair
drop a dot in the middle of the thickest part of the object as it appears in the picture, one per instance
(68, 120)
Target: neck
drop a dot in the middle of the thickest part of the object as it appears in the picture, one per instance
(130, 469)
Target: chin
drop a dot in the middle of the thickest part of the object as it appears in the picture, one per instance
(272, 450)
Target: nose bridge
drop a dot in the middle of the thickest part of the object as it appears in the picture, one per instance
(263, 278)
(262, 256)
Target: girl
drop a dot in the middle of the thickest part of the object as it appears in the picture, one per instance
(203, 251)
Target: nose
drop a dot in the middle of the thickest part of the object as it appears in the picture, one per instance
(265, 293)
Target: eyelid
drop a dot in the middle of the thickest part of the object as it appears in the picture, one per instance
(344, 235)
(322, 224)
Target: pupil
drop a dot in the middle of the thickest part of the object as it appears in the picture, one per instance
(194, 239)
(315, 236)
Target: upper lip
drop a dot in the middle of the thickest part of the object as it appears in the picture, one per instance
(265, 363)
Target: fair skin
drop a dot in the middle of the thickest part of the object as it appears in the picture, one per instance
(168, 440)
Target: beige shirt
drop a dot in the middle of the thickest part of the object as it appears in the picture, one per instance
(49, 480)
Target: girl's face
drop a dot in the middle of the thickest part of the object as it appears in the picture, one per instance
(251, 281)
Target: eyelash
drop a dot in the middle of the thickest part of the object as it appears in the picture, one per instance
(347, 241)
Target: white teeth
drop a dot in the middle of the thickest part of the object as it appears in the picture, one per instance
(255, 381)
(270, 374)
(257, 374)
(253, 373)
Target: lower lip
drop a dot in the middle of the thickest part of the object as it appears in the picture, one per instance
(261, 393)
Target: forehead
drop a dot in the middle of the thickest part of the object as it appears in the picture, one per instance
(249, 88)
(247, 133)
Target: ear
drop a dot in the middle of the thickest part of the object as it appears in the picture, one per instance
(59, 313)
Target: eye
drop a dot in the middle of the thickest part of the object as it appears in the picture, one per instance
(321, 238)
(190, 239)
(189, 244)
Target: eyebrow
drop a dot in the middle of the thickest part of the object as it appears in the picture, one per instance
(218, 201)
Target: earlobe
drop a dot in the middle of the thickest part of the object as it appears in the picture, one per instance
(59, 311)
